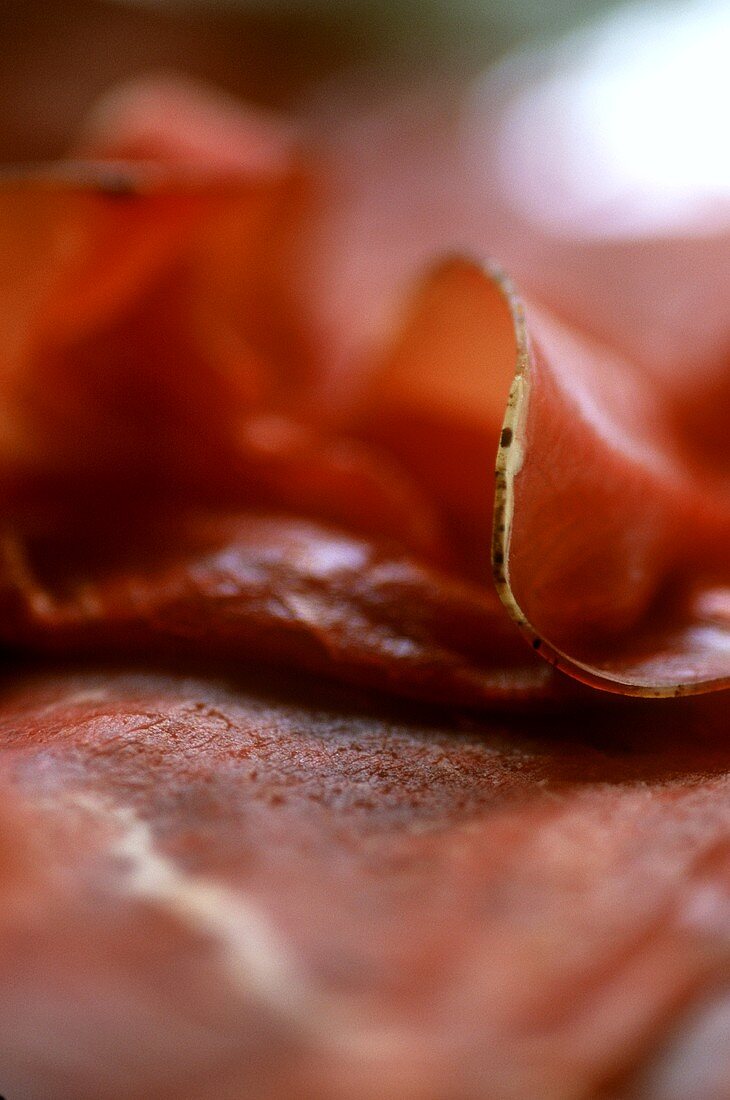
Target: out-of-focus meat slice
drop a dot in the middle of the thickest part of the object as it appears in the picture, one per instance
(108, 345)
(171, 120)
(242, 271)
(137, 354)
(542, 164)
(226, 890)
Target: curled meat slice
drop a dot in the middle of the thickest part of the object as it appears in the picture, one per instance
(184, 374)
(610, 539)
(111, 343)
(436, 401)
(610, 550)
(173, 120)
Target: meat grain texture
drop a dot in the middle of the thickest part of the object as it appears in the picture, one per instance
(294, 804)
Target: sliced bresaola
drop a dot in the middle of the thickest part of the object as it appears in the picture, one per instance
(610, 549)
(602, 494)
(105, 305)
(251, 589)
(136, 300)
(611, 546)
(617, 551)
(243, 271)
(270, 890)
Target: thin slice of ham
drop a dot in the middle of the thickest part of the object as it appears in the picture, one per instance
(610, 539)
(219, 888)
(256, 589)
(222, 880)
(609, 549)
(612, 522)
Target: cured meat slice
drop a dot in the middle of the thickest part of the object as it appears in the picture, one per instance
(436, 401)
(134, 357)
(242, 269)
(609, 550)
(249, 589)
(595, 563)
(171, 120)
(107, 348)
(273, 890)
(610, 547)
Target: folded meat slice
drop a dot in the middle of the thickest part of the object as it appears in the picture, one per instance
(183, 374)
(173, 120)
(272, 890)
(253, 589)
(132, 300)
(610, 543)
(611, 533)
(109, 346)
(435, 401)
(242, 269)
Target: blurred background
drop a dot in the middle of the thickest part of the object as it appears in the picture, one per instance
(58, 56)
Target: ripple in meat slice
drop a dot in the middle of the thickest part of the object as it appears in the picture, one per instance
(612, 523)
(610, 530)
(251, 588)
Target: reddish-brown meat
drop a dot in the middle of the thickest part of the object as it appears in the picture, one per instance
(213, 889)
(223, 874)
